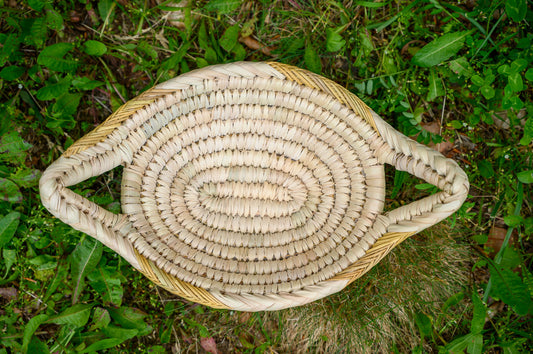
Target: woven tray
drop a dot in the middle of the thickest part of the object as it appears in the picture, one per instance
(250, 186)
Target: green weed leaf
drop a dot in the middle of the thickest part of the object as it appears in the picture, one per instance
(485, 168)
(77, 316)
(9, 191)
(67, 104)
(10, 257)
(86, 84)
(39, 31)
(102, 345)
(487, 92)
(106, 10)
(51, 91)
(107, 284)
(334, 41)
(83, 261)
(312, 60)
(53, 57)
(101, 318)
(30, 329)
(436, 88)
(515, 82)
(475, 344)
(54, 21)
(229, 38)
(460, 66)
(509, 287)
(94, 48)
(8, 227)
(512, 220)
(13, 148)
(223, 7)
(36, 5)
(120, 333)
(441, 49)
(529, 74)
(12, 72)
(516, 9)
(459, 344)
(130, 318)
(423, 322)
(525, 176)
(480, 311)
(9, 47)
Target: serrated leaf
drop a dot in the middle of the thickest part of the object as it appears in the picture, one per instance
(525, 176)
(334, 41)
(30, 329)
(8, 227)
(480, 311)
(12, 72)
(83, 261)
(441, 49)
(229, 38)
(94, 48)
(102, 345)
(312, 60)
(36, 5)
(515, 82)
(39, 31)
(9, 47)
(223, 7)
(53, 57)
(13, 148)
(51, 91)
(509, 287)
(516, 9)
(77, 316)
(54, 21)
(9, 191)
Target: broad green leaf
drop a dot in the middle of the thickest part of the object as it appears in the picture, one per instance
(53, 57)
(12, 72)
(9, 47)
(475, 345)
(107, 285)
(513, 220)
(223, 7)
(30, 329)
(487, 92)
(229, 38)
(9, 191)
(477, 80)
(102, 345)
(485, 168)
(83, 261)
(101, 318)
(120, 333)
(39, 31)
(334, 41)
(529, 74)
(509, 287)
(516, 9)
(459, 344)
(8, 227)
(424, 325)
(36, 5)
(312, 60)
(211, 56)
(37, 346)
(525, 176)
(67, 104)
(94, 48)
(51, 91)
(54, 21)
(26, 177)
(436, 88)
(461, 67)
(371, 4)
(515, 82)
(441, 49)
(10, 257)
(130, 318)
(77, 316)
(86, 84)
(480, 312)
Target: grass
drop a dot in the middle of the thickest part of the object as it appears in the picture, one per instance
(463, 285)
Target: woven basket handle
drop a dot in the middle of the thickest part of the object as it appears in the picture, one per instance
(77, 211)
(431, 166)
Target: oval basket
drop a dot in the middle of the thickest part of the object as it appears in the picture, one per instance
(250, 186)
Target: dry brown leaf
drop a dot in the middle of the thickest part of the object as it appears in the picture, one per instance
(496, 237)
(254, 44)
(209, 345)
(8, 293)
